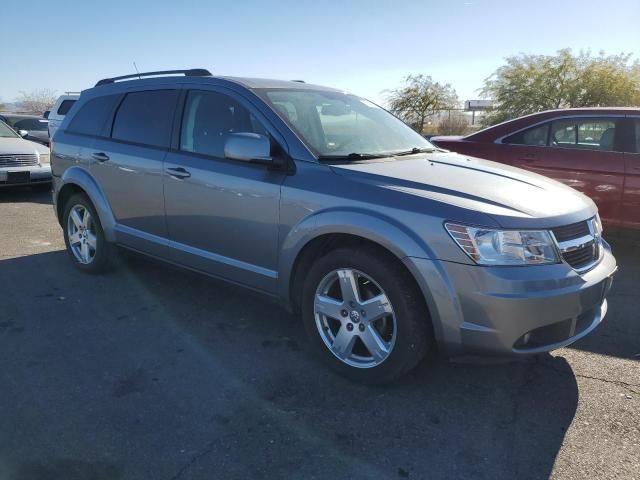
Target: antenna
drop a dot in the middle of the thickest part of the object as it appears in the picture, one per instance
(137, 71)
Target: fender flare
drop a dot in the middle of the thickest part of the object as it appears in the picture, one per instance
(381, 229)
(81, 178)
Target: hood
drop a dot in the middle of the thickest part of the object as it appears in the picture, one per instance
(9, 146)
(514, 198)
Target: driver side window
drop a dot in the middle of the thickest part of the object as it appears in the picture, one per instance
(209, 118)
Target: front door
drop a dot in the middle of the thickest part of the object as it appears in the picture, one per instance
(222, 215)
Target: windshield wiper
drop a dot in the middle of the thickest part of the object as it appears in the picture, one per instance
(351, 157)
(413, 151)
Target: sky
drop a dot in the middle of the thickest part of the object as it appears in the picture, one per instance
(365, 47)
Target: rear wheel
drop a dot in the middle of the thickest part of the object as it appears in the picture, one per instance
(364, 315)
(84, 237)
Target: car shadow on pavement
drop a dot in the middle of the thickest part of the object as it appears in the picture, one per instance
(40, 194)
(152, 372)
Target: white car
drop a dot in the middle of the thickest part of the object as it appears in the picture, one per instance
(22, 162)
(60, 109)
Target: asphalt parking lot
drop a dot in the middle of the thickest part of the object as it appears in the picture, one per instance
(151, 372)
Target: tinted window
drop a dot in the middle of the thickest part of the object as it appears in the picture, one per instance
(92, 116)
(146, 118)
(65, 106)
(585, 134)
(533, 136)
(209, 118)
(638, 136)
(31, 124)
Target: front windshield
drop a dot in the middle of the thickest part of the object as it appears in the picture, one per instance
(338, 125)
(6, 132)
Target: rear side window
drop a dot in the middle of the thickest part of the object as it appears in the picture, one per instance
(146, 118)
(209, 118)
(537, 136)
(637, 136)
(65, 106)
(584, 134)
(92, 116)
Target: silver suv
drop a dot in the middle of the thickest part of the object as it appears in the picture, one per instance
(387, 246)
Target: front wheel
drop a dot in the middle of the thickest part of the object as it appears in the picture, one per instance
(84, 237)
(364, 315)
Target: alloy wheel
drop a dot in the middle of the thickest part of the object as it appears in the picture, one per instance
(81, 232)
(355, 318)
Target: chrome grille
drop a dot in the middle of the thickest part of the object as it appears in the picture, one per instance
(571, 232)
(579, 244)
(18, 160)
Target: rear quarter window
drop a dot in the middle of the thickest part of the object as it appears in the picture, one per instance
(65, 106)
(93, 115)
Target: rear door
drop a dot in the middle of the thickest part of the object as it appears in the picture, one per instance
(222, 215)
(631, 197)
(129, 167)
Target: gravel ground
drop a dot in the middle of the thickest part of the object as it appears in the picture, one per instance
(151, 372)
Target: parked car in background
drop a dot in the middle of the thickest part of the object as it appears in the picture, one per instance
(29, 127)
(594, 150)
(60, 110)
(385, 245)
(22, 162)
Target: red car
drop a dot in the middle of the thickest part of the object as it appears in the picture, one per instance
(594, 150)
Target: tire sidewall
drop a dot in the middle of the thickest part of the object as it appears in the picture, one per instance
(412, 334)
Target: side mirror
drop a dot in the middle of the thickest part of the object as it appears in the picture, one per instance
(248, 147)
(46, 114)
(23, 133)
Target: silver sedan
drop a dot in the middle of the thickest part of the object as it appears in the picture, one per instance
(22, 162)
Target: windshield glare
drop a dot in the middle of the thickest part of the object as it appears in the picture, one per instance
(335, 124)
(6, 132)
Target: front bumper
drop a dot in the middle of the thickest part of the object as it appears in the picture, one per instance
(38, 174)
(512, 310)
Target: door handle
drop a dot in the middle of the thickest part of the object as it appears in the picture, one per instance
(528, 157)
(178, 172)
(100, 156)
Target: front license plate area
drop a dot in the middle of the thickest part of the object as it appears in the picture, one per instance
(18, 177)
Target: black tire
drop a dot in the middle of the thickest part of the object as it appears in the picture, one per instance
(413, 327)
(104, 252)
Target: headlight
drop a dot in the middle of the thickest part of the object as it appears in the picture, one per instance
(504, 247)
(598, 225)
(44, 159)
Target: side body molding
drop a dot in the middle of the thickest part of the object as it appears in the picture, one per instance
(80, 177)
(378, 228)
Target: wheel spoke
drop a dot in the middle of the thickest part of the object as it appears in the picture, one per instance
(75, 218)
(377, 347)
(377, 307)
(349, 286)
(84, 252)
(74, 238)
(329, 306)
(86, 218)
(91, 240)
(343, 343)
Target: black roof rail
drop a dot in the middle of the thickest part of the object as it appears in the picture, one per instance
(299, 81)
(192, 72)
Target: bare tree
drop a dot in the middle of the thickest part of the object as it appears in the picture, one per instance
(454, 125)
(421, 98)
(37, 101)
